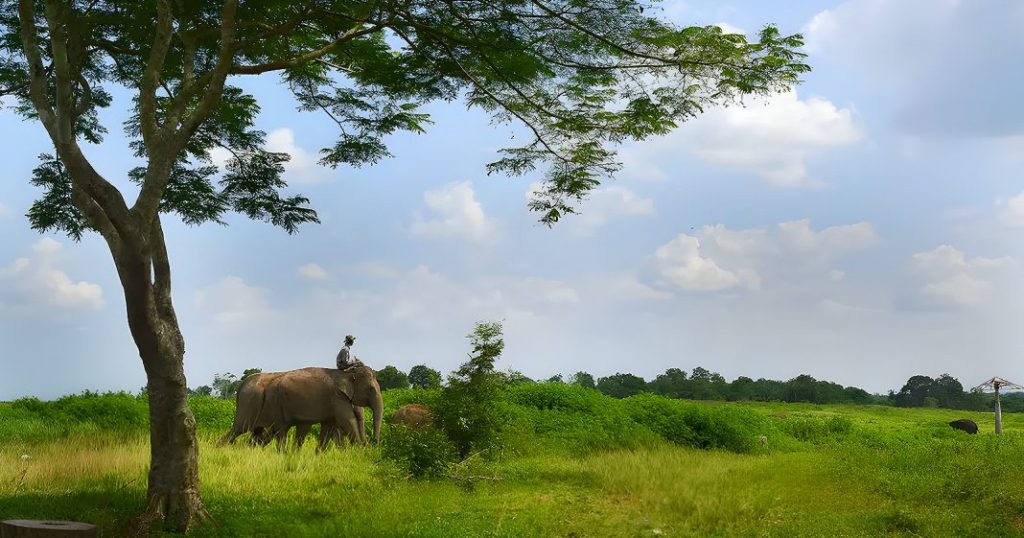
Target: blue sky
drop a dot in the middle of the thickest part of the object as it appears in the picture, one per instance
(862, 229)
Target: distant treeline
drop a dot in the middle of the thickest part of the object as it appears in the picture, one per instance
(701, 384)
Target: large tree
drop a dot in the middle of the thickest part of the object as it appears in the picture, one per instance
(580, 76)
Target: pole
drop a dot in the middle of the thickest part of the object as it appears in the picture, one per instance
(999, 413)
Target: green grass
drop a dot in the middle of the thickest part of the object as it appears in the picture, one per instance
(575, 464)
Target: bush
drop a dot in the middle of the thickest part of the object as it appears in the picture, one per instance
(212, 414)
(817, 429)
(471, 409)
(699, 425)
(423, 453)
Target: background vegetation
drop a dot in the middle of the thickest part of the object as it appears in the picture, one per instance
(570, 461)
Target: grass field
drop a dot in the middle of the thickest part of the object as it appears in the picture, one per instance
(575, 463)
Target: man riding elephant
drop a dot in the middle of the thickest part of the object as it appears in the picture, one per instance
(345, 359)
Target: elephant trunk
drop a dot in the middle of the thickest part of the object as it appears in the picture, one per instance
(377, 406)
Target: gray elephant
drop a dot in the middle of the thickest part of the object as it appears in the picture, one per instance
(352, 388)
(321, 396)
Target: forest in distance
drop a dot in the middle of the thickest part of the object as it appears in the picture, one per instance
(943, 391)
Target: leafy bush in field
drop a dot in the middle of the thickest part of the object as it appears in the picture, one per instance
(699, 425)
(30, 419)
(817, 429)
(472, 408)
(113, 410)
(212, 413)
(426, 453)
(573, 418)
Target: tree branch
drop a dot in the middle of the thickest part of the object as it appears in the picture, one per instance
(90, 184)
(480, 86)
(349, 35)
(161, 269)
(176, 138)
(151, 76)
(96, 218)
(37, 74)
(56, 19)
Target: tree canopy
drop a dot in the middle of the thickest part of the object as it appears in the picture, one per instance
(423, 377)
(391, 377)
(579, 76)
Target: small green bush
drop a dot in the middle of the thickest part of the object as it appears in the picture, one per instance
(699, 425)
(424, 453)
(213, 415)
(817, 429)
(574, 419)
(472, 409)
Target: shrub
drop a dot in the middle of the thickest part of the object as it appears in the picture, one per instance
(212, 413)
(471, 409)
(699, 425)
(424, 453)
(817, 429)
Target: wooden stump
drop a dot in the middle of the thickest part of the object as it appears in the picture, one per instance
(27, 528)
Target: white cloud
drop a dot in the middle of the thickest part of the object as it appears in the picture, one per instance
(303, 167)
(681, 263)
(772, 138)
(951, 277)
(719, 258)
(312, 271)
(36, 281)
(799, 237)
(455, 213)
(1012, 214)
(4, 211)
(602, 205)
(730, 29)
(960, 289)
(232, 302)
(606, 203)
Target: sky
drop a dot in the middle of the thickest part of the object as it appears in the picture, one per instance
(862, 229)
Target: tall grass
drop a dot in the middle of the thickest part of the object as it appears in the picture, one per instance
(576, 463)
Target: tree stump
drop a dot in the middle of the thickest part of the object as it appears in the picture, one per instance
(27, 528)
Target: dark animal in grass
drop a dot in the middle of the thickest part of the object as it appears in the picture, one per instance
(963, 424)
(414, 416)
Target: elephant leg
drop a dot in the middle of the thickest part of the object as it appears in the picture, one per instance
(345, 417)
(301, 431)
(326, 435)
(229, 438)
(281, 434)
(360, 424)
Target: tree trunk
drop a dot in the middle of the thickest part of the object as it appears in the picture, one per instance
(173, 493)
(173, 496)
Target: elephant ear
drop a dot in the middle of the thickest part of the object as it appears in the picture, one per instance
(346, 386)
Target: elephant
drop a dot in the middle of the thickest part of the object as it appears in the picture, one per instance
(321, 396)
(966, 425)
(414, 416)
(252, 416)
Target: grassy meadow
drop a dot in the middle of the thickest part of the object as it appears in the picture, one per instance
(573, 463)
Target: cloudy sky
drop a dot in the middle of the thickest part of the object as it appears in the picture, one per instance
(863, 229)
